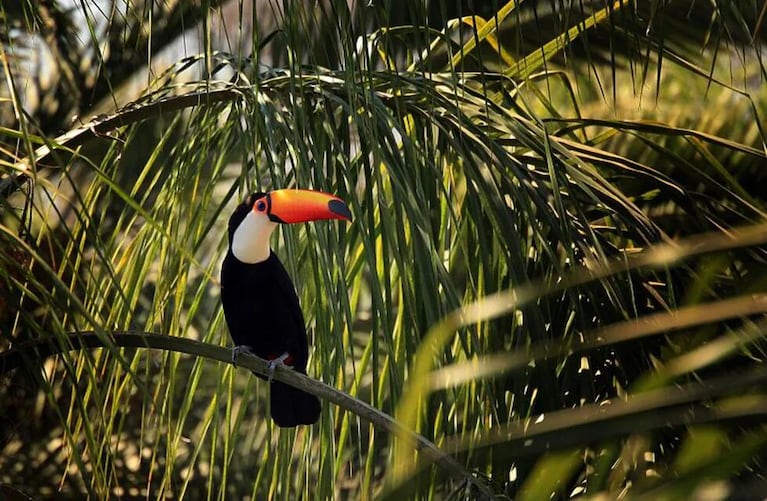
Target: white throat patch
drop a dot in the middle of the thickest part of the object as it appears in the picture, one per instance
(250, 243)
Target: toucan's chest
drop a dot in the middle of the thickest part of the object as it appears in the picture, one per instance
(261, 306)
(259, 281)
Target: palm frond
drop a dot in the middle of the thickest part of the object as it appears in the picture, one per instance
(504, 216)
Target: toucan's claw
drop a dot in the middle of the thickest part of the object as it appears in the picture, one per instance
(237, 350)
(273, 363)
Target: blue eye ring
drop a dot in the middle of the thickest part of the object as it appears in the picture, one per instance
(261, 206)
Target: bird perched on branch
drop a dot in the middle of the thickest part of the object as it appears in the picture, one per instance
(260, 302)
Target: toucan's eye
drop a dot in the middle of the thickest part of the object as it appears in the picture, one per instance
(261, 206)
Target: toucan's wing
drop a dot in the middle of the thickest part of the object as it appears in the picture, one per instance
(292, 316)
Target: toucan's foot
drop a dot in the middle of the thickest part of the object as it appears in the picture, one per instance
(273, 363)
(237, 350)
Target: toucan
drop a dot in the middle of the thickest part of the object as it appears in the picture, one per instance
(259, 300)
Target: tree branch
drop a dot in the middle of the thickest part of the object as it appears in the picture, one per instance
(103, 125)
(38, 349)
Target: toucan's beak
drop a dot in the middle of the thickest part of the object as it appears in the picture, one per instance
(299, 206)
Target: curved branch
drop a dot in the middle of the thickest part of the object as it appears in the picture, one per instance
(102, 125)
(38, 349)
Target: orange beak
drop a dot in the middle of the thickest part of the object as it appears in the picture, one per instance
(299, 206)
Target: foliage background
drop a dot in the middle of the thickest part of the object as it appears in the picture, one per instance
(555, 271)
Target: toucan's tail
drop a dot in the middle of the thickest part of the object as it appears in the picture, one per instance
(293, 407)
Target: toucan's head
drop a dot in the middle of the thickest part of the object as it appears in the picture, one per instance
(254, 220)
